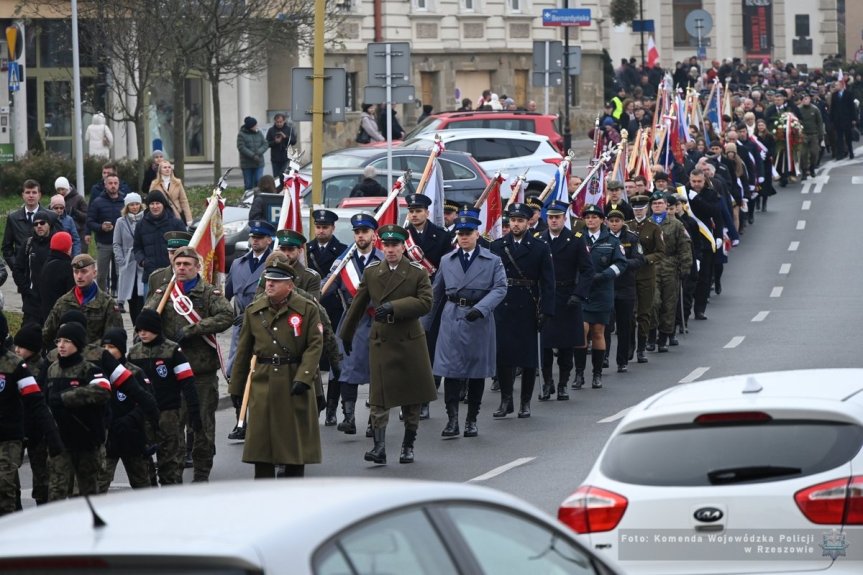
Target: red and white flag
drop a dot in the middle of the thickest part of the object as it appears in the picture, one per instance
(350, 277)
(211, 248)
(290, 216)
(491, 212)
(390, 215)
(652, 52)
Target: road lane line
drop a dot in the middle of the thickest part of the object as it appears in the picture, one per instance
(735, 341)
(801, 224)
(619, 415)
(760, 316)
(502, 469)
(776, 292)
(817, 189)
(694, 374)
(784, 269)
(805, 188)
(857, 179)
(792, 247)
(806, 205)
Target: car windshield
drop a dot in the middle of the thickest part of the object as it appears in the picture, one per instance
(430, 124)
(695, 455)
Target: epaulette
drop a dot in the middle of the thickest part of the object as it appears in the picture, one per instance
(217, 292)
(417, 265)
(537, 234)
(373, 264)
(314, 272)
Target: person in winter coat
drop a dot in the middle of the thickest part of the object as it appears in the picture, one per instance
(252, 145)
(280, 137)
(398, 132)
(76, 207)
(101, 215)
(369, 187)
(172, 187)
(369, 123)
(152, 171)
(65, 222)
(27, 271)
(56, 276)
(98, 137)
(150, 246)
(131, 281)
(19, 223)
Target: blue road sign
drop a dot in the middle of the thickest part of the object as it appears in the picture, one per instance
(566, 17)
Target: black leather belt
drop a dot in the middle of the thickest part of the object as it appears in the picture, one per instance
(565, 283)
(461, 302)
(519, 283)
(390, 318)
(278, 360)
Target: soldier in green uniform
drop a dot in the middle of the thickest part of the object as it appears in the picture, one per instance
(293, 244)
(197, 336)
(284, 332)
(161, 276)
(670, 269)
(400, 293)
(653, 247)
(100, 309)
(813, 133)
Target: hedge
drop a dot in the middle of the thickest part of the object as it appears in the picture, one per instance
(46, 167)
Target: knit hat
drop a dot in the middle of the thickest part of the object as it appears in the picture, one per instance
(62, 183)
(156, 196)
(74, 315)
(730, 148)
(74, 332)
(57, 200)
(249, 122)
(132, 198)
(61, 242)
(29, 337)
(117, 337)
(149, 320)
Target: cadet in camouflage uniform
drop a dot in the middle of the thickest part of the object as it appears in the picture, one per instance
(19, 392)
(100, 309)
(292, 244)
(674, 266)
(653, 247)
(216, 316)
(284, 332)
(161, 276)
(169, 372)
(127, 433)
(813, 133)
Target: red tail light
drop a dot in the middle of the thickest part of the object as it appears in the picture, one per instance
(555, 161)
(733, 417)
(592, 510)
(836, 502)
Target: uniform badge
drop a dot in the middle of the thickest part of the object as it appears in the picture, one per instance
(321, 328)
(296, 321)
(2, 383)
(121, 396)
(161, 370)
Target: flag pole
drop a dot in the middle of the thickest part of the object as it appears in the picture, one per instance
(568, 160)
(241, 420)
(203, 225)
(496, 180)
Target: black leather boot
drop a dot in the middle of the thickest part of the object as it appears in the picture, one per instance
(238, 433)
(524, 410)
(547, 386)
(662, 343)
(407, 454)
(639, 351)
(424, 411)
(348, 424)
(470, 429)
(672, 339)
(369, 432)
(495, 384)
(451, 429)
(562, 395)
(378, 454)
(579, 379)
(597, 381)
(506, 406)
(651, 341)
(330, 418)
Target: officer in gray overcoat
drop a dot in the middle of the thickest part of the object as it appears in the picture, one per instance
(469, 285)
(241, 285)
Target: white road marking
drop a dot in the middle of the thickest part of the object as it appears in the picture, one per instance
(801, 224)
(694, 374)
(792, 247)
(735, 341)
(776, 292)
(784, 269)
(502, 469)
(619, 415)
(760, 316)
(857, 179)
(806, 205)
(805, 188)
(818, 187)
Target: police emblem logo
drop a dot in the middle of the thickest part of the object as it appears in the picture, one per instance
(2, 383)
(121, 396)
(162, 370)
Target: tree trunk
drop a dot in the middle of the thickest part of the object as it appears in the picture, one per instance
(179, 120)
(217, 127)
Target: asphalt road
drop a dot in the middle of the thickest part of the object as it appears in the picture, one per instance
(790, 300)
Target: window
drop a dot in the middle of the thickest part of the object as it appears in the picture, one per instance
(515, 5)
(682, 8)
(403, 542)
(351, 92)
(468, 5)
(490, 149)
(523, 147)
(421, 5)
(459, 146)
(505, 543)
(801, 25)
(338, 188)
(453, 171)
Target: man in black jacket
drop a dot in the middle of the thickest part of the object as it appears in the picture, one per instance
(19, 224)
(150, 246)
(843, 116)
(704, 204)
(280, 136)
(56, 275)
(27, 270)
(104, 210)
(369, 187)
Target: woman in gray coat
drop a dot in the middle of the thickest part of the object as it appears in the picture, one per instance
(470, 284)
(130, 275)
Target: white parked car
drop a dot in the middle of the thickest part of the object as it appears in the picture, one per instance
(295, 527)
(510, 151)
(755, 473)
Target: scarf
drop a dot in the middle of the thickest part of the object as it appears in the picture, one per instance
(189, 285)
(71, 360)
(86, 295)
(659, 218)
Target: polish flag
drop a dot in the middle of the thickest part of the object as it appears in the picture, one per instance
(290, 216)
(652, 52)
(350, 276)
(491, 213)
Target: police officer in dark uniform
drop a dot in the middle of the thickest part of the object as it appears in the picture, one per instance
(624, 290)
(434, 241)
(528, 304)
(450, 213)
(573, 272)
(615, 200)
(322, 253)
(536, 223)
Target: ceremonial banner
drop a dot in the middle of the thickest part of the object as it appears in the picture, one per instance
(211, 248)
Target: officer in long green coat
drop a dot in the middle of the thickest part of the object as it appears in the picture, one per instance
(653, 247)
(397, 293)
(283, 330)
(673, 267)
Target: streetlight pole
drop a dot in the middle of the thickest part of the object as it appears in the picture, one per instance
(641, 22)
(567, 133)
(76, 91)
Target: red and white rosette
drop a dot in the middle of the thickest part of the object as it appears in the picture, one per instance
(296, 322)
